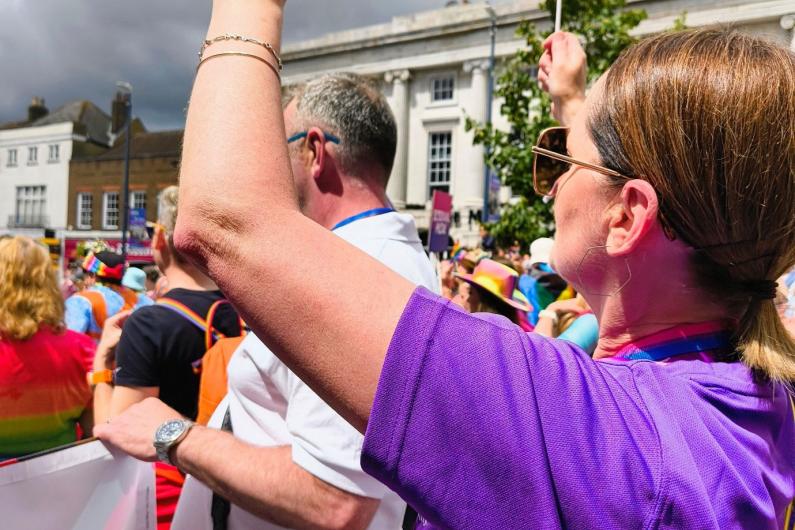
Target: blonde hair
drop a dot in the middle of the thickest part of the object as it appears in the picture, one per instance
(168, 202)
(29, 294)
(707, 117)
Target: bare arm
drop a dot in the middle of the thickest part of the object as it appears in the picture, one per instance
(237, 203)
(110, 401)
(263, 480)
(266, 482)
(545, 326)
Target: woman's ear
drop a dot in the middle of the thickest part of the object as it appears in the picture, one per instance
(632, 218)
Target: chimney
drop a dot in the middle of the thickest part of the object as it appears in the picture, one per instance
(37, 109)
(118, 112)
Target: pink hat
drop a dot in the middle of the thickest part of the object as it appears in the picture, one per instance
(500, 280)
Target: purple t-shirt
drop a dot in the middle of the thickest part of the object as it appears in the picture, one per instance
(479, 425)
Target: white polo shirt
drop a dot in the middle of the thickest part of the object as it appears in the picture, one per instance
(271, 406)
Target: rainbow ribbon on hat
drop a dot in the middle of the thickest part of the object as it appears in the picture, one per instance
(93, 265)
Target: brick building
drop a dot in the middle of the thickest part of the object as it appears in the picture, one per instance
(95, 188)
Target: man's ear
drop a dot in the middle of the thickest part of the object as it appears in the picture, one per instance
(632, 218)
(316, 144)
(160, 239)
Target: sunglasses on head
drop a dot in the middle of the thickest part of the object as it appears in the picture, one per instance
(551, 161)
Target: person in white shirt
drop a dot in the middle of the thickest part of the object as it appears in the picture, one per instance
(293, 462)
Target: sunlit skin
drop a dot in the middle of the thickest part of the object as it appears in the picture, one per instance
(610, 245)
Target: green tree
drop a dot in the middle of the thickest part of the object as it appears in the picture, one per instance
(603, 27)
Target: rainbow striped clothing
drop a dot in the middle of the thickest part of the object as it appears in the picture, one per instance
(43, 390)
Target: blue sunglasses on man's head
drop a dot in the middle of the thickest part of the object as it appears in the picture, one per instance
(297, 136)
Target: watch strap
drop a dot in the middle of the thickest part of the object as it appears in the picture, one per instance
(96, 377)
(548, 313)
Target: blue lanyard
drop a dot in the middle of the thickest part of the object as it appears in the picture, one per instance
(680, 340)
(363, 215)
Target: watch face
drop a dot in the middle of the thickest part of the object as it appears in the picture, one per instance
(170, 431)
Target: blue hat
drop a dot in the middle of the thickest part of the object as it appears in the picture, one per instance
(135, 279)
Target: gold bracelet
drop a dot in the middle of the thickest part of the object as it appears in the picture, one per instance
(241, 38)
(241, 54)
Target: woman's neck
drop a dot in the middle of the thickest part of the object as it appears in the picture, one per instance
(648, 307)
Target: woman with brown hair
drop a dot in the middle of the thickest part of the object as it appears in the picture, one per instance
(678, 168)
(43, 389)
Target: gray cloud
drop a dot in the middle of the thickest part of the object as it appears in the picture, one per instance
(78, 49)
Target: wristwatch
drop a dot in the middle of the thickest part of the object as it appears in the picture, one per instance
(168, 435)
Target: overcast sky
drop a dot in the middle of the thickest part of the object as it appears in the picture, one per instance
(77, 49)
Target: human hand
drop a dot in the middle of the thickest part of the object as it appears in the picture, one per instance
(111, 334)
(133, 431)
(562, 74)
(446, 272)
(571, 305)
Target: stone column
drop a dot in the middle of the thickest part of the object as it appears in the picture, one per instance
(468, 191)
(396, 189)
(788, 22)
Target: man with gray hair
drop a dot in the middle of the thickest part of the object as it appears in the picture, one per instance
(293, 462)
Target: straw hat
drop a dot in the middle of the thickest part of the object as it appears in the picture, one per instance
(500, 281)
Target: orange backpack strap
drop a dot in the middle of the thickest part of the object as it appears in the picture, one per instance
(130, 296)
(98, 308)
(213, 382)
(209, 337)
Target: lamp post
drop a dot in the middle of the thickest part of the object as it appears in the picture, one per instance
(489, 97)
(125, 219)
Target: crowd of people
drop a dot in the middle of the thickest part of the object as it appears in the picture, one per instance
(295, 361)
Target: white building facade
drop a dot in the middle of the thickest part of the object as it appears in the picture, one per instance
(34, 164)
(433, 68)
(34, 177)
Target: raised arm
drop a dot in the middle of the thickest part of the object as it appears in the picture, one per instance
(239, 220)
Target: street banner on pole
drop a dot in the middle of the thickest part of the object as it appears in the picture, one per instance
(137, 225)
(494, 197)
(441, 213)
(82, 487)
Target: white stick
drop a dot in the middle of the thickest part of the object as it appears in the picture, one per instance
(558, 14)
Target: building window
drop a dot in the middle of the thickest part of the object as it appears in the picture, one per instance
(138, 200)
(442, 88)
(54, 153)
(440, 156)
(33, 156)
(31, 202)
(85, 210)
(110, 210)
(12, 158)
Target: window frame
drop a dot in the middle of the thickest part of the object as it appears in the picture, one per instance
(33, 155)
(439, 78)
(429, 170)
(134, 195)
(34, 198)
(105, 210)
(80, 210)
(53, 148)
(12, 160)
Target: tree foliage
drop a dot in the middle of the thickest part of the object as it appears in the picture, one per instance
(603, 27)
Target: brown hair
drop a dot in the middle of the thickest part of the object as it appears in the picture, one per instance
(706, 117)
(29, 294)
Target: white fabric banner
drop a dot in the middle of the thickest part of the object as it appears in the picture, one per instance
(80, 488)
